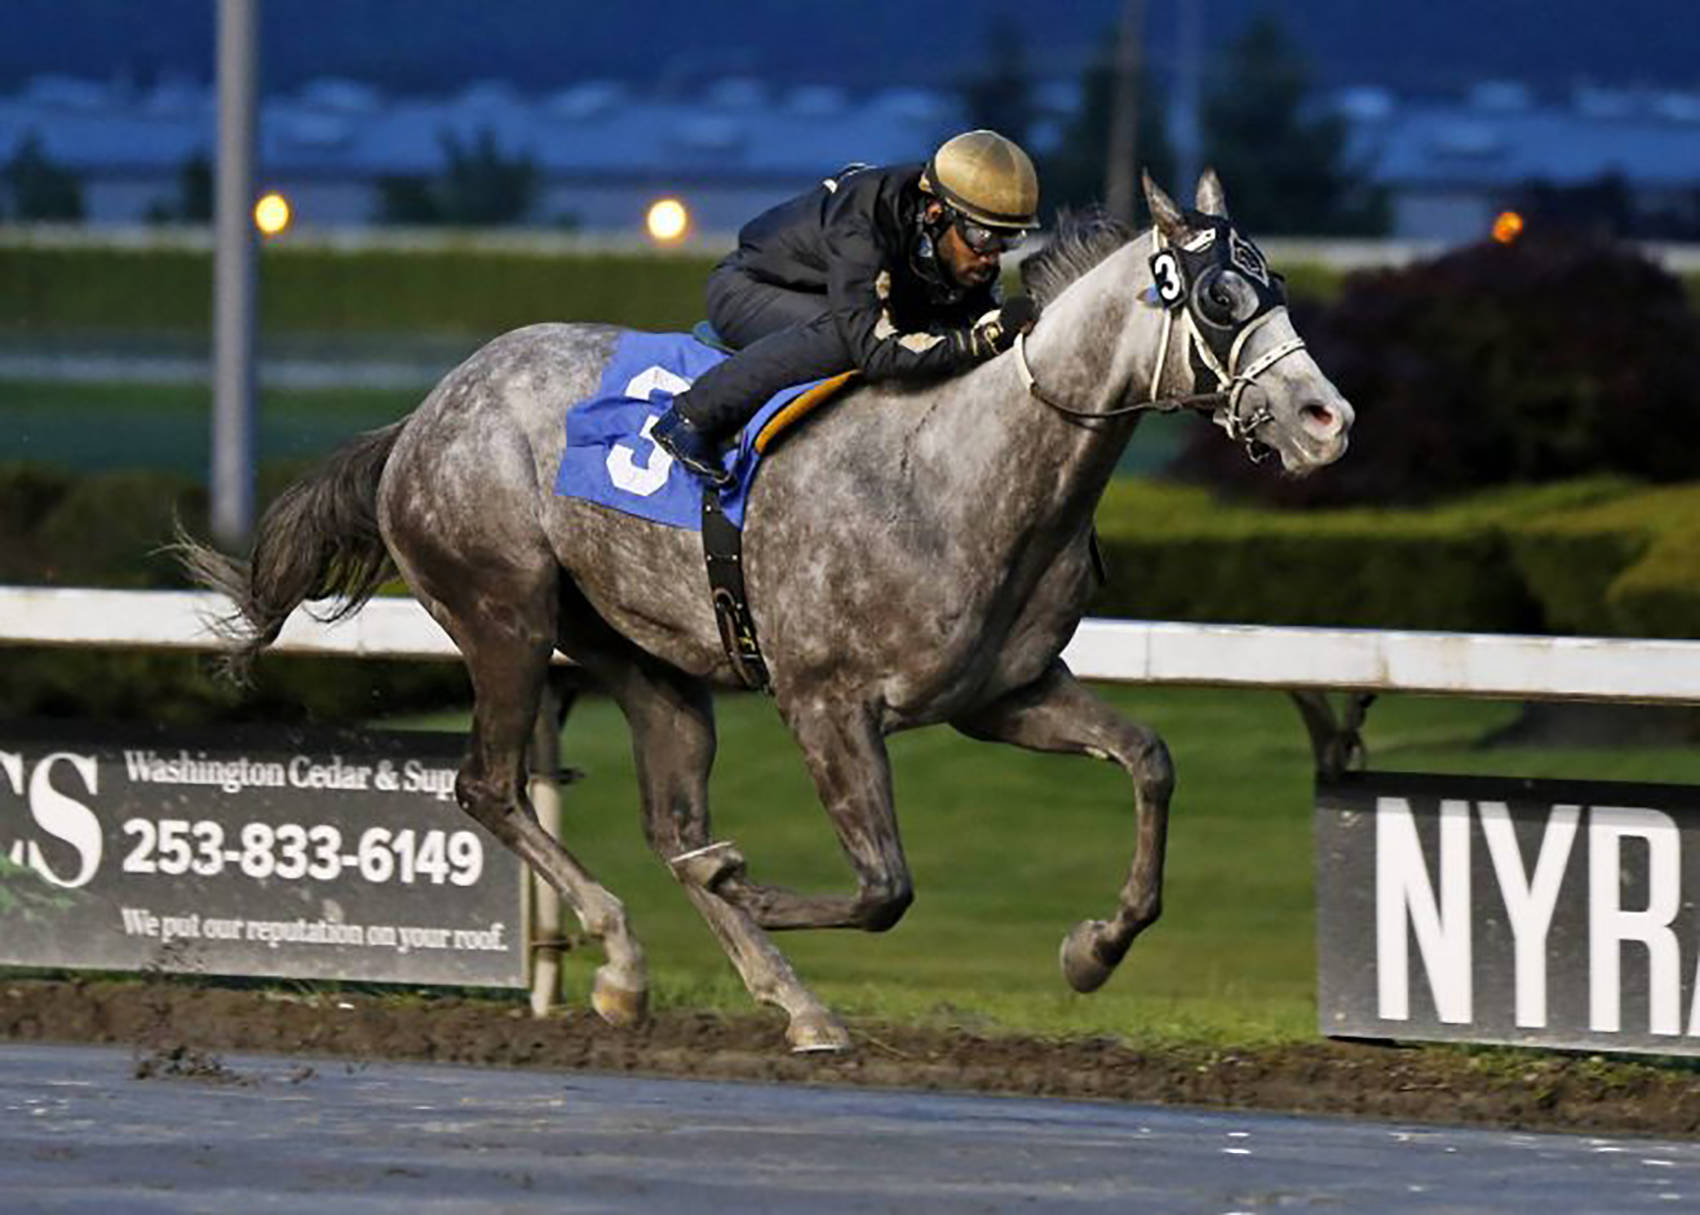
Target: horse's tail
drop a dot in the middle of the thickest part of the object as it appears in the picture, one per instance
(319, 538)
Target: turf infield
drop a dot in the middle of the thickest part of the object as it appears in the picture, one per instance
(1008, 849)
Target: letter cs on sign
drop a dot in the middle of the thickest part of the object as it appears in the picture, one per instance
(57, 813)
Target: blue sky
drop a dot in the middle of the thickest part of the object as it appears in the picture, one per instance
(438, 45)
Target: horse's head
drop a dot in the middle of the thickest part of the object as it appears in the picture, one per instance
(1218, 287)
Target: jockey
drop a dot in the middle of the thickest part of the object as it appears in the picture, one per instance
(892, 271)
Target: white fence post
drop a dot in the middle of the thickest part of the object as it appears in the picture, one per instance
(545, 790)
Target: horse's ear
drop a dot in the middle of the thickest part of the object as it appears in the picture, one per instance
(1212, 200)
(1168, 218)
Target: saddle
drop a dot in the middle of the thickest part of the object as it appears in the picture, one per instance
(794, 411)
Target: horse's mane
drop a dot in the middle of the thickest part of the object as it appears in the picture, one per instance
(1081, 241)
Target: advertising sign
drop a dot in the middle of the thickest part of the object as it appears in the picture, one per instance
(311, 854)
(1484, 909)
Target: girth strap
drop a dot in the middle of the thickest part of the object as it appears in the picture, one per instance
(723, 550)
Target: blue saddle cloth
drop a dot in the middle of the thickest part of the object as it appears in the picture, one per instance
(610, 458)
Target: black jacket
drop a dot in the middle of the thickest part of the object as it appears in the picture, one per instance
(856, 240)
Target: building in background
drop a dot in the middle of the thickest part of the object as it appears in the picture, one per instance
(601, 152)
(1450, 166)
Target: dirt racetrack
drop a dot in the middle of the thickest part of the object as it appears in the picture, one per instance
(178, 1027)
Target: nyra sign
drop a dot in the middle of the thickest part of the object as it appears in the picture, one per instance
(1494, 910)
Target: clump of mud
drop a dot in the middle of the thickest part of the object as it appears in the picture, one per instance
(186, 1063)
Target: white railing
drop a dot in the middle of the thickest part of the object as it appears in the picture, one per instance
(1120, 651)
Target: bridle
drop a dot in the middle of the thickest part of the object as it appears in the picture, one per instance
(1178, 274)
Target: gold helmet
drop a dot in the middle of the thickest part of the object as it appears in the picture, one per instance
(986, 177)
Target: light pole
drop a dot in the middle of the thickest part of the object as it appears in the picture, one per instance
(234, 276)
(1185, 127)
(1122, 156)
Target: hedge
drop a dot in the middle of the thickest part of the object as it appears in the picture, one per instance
(180, 688)
(1624, 566)
(1655, 597)
(368, 291)
(458, 291)
(1177, 554)
(1479, 368)
(437, 291)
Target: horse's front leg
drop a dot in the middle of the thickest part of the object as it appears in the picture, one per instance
(1057, 713)
(847, 758)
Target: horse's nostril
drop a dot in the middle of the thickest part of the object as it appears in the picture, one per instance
(1319, 416)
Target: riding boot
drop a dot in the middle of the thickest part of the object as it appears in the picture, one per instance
(690, 445)
(724, 398)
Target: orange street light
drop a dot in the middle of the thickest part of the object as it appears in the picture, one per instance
(1507, 227)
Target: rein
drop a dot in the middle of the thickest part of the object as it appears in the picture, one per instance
(1231, 380)
(1202, 401)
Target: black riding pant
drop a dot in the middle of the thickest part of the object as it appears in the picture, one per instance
(783, 337)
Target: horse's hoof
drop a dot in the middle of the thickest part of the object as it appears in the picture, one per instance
(617, 1004)
(1081, 965)
(817, 1033)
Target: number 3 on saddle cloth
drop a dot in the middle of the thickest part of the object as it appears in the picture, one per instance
(611, 460)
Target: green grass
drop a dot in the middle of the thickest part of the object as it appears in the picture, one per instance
(1008, 849)
(95, 427)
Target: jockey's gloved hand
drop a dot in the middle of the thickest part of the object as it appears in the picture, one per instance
(995, 332)
(1018, 315)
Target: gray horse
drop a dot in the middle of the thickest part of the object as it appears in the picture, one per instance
(919, 555)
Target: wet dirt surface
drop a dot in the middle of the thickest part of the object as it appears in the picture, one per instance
(178, 1028)
(267, 1133)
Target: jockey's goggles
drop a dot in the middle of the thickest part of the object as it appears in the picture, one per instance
(984, 240)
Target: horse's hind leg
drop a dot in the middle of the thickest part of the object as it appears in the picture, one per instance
(672, 723)
(846, 755)
(506, 633)
(1055, 713)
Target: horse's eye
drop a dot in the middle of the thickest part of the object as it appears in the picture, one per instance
(1224, 298)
